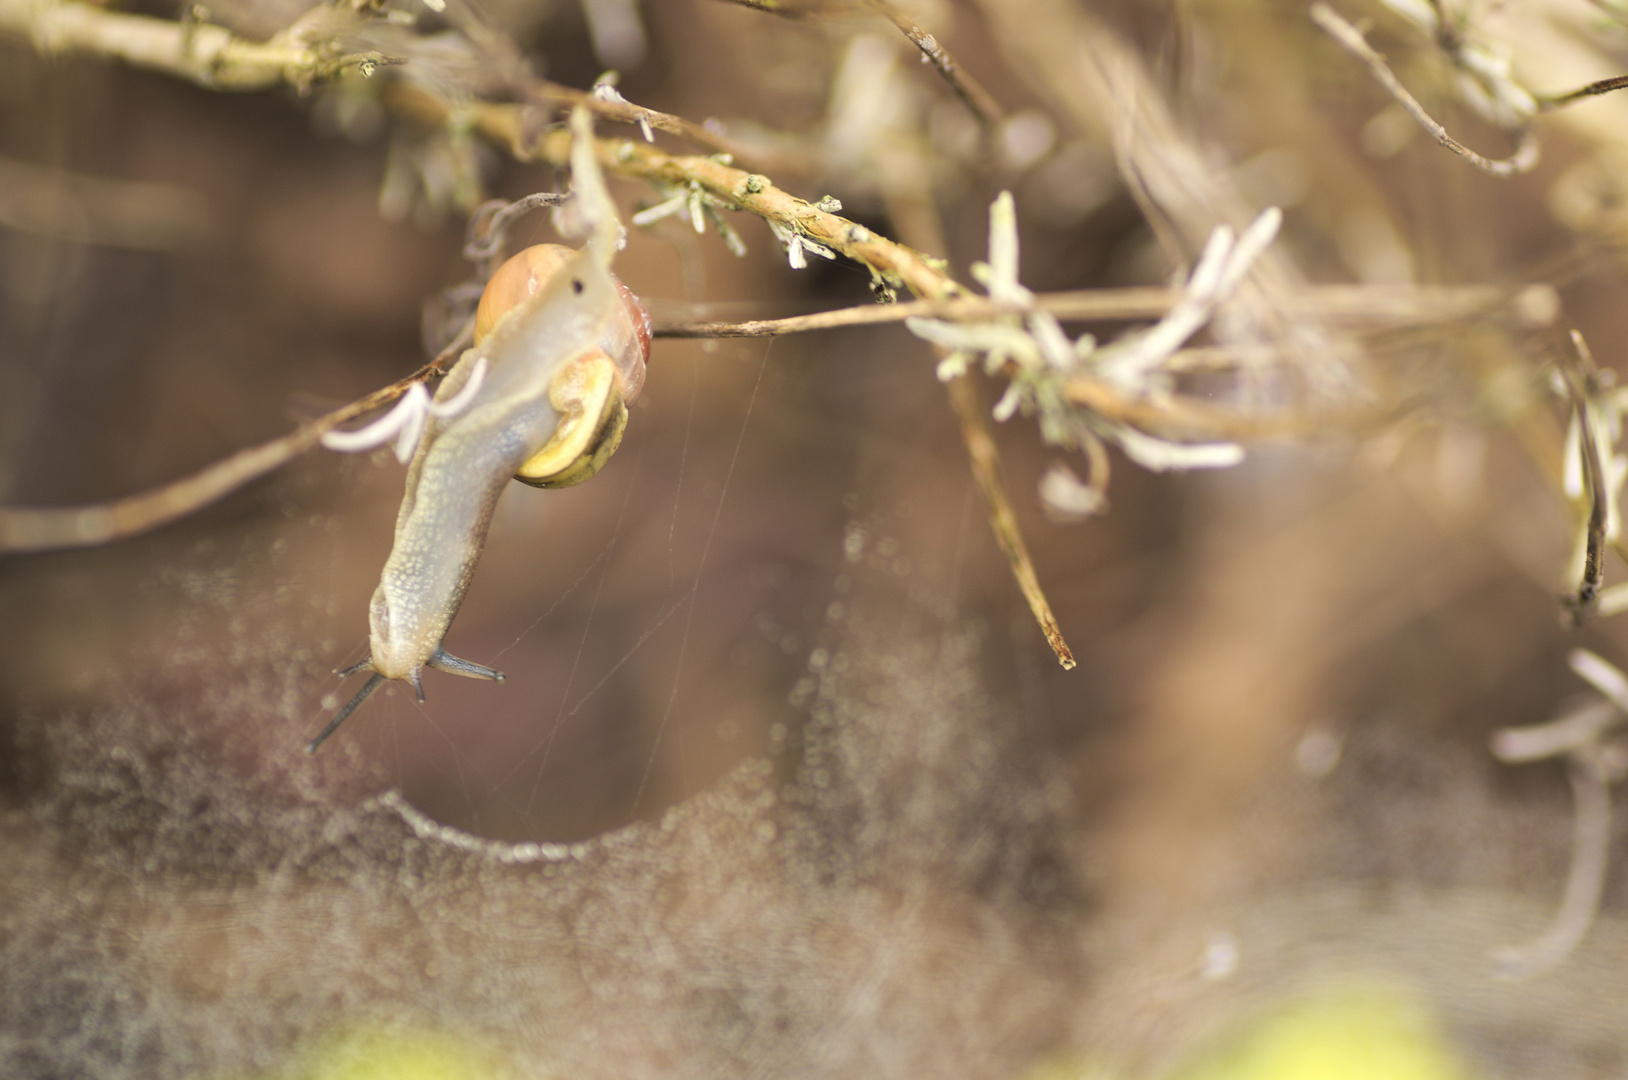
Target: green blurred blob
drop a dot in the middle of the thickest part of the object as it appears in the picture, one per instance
(394, 1053)
(1355, 1033)
(1369, 1031)
(1069, 1068)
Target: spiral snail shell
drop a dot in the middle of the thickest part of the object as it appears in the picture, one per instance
(593, 391)
(559, 354)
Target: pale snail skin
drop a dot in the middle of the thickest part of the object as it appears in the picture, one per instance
(565, 345)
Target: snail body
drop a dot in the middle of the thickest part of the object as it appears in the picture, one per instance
(542, 397)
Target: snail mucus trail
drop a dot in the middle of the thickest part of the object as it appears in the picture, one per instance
(542, 396)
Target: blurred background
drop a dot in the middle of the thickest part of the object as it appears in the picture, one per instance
(805, 792)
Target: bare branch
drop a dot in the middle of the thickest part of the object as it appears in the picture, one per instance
(968, 89)
(32, 529)
(926, 230)
(1361, 304)
(1585, 883)
(1136, 303)
(986, 470)
(1581, 727)
(1352, 40)
(626, 112)
(84, 209)
(508, 126)
(1593, 89)
(797, 9)
(210, 56)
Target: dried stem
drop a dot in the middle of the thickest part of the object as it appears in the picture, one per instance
(99, 210)
(30, 529)
(210, 56)
(1581, 380)
(1186, 420)
(970, 410)
(1585, 884)
(568, 97)
(508, 126)
(798, 8)
(926, 230)
(968, 89)
(1593, 89)
(1579, 728)
(1352, 303)
(1352, 40)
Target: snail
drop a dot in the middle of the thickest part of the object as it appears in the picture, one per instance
(559, 353)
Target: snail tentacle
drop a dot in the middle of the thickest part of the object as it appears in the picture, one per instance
(365, 664)
(442, 660)
(350, 706)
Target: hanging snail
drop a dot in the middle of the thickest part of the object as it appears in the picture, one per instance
(559, 353)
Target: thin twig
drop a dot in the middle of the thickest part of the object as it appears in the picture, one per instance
(1185, 419)
(489, 225)
(968, 89)
(970, 410)
(1352, 40)
(797, 9)
(1585, 883)
(626, 112)
(1092, 304)
(1593, 89)
(507, 125)
(1581, 382)
(141, 216)
(1353, 303)
(926, 230)
(1594, 765)
(1594, 489)
(26, 529)
(1575, 729)
(210, 56)
(981, 103)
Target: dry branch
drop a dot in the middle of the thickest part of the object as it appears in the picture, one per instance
(210, 56)
(626, 112)
(510, 126)
(968, 89)
(1593, 89)
(1358, 304)
(971, 412)
(140, 216)
(1352, 41)
(26, 529)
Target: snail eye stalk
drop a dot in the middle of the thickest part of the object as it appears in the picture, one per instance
(340, 717)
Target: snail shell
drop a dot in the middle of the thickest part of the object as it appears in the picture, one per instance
(593, 392)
